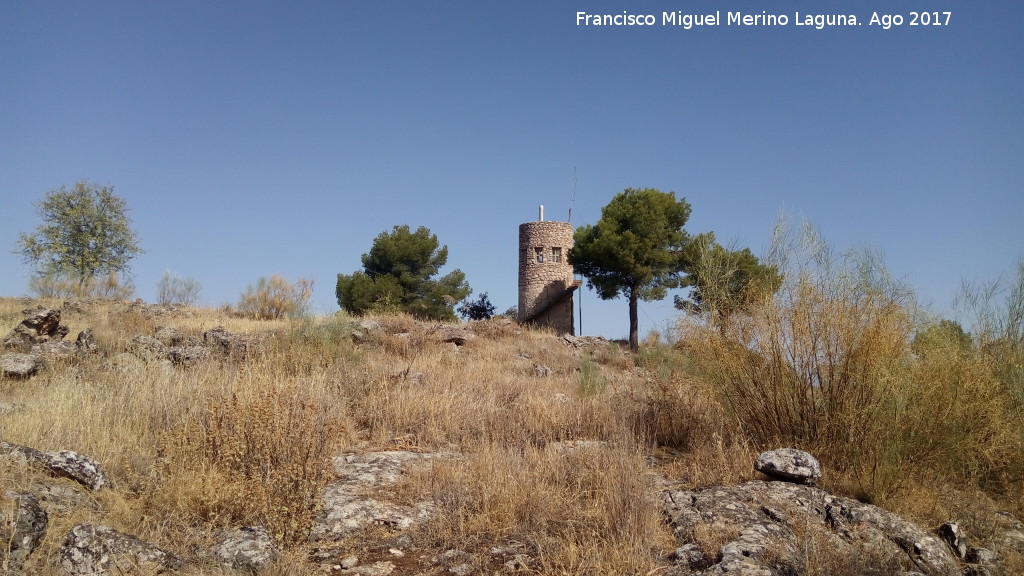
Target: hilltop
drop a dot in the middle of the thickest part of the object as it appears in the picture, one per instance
(384, 444)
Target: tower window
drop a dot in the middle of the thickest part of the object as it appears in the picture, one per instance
(540, 254)
(556, 254)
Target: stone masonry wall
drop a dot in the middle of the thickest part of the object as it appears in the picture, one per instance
(545, 276)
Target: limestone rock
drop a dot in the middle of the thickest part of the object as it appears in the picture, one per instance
(42, 326)
(250, 549)
(789, 464)
(62, 349)
(100, 550)
(169, 336)
(65, 463)
(951, 533)
(231, 344)
(187, 356)
(348, 508)
(147, 347)
(21, 530)
(455, 334)
(86, 342)
(20, 365)
(765, 528)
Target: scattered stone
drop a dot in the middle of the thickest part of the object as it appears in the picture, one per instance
(347, 508)
(65, 463)
(147, 347)
(10, 408)
(63, 498)
(187, 356)
(541, 371)
(250, 549)
(22, 530)
(455, 335)
(62, 349)
(73, 307)
(578, 342)
(169, 336)
(689, 555)
(349, 562)
(86, 342)
(42, 326)
(368, 325)
(761, 521)
(100, 550)
(20, 365)
(951, 534)
(230, 344)
(458, 562)
(375, 569)
(789, 464)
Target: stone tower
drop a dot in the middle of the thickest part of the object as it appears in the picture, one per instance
(546, 282)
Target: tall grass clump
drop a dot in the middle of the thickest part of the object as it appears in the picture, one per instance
(996, 312)
(573, 510)
(276, 298)
(255, 455)
(826, 365)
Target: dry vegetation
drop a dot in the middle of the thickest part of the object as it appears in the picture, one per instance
(934, 434)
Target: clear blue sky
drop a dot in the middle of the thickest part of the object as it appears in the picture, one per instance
(254, 138)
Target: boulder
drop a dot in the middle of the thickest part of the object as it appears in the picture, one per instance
(86, 342)
(43, 325)
(455, 335)
(250, 549)
(169, 336)
(187, 356)
(952, 535)
(348, 506)
(147, 347)
(65, 463)
(775, 528)
(20, 365)
(100, 550)
(62, 349)
(238, 346)
(21, 530)
(789, 464)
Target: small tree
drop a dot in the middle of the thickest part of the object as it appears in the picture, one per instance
(276, 298)
(724, 281)
(479, 309)
(173, 289)
(86, 233)
(398, 276)
(635, 250)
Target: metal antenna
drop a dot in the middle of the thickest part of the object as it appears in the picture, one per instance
(572, 198)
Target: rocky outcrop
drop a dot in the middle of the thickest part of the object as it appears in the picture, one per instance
(65, 463)
(43, 325)
(22, 528)
(789, 464)
(187, 356)
(349, 506)
(100, 550)
(249, 549)
(20, 365)
(234, 345)
(776, 528)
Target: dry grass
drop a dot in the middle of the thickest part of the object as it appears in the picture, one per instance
(239, 441)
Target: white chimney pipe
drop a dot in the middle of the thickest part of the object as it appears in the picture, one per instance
(541, 212)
